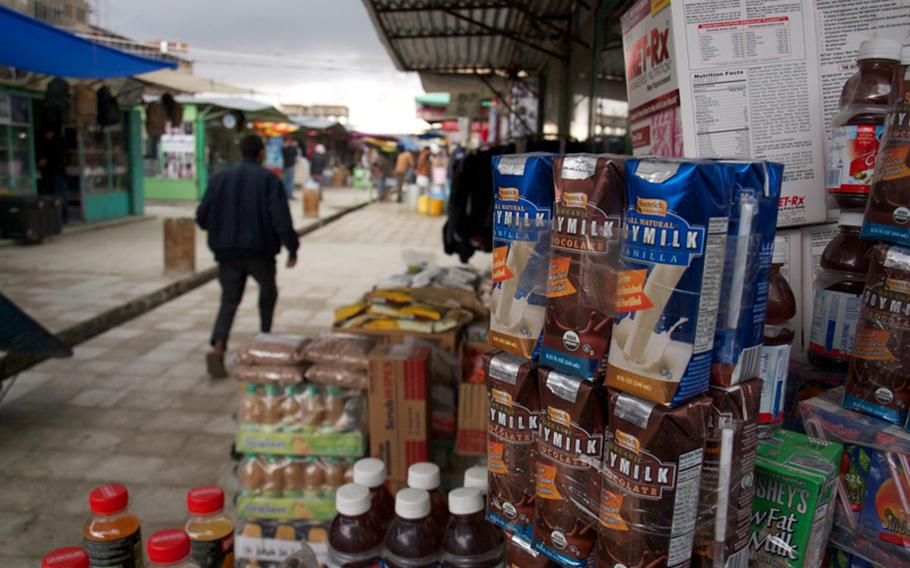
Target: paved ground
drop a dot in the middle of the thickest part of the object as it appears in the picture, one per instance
(134, 404)
(76, 276)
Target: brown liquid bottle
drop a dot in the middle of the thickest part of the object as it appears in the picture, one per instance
(469, 540)
(355, 536)
(112, 535)
(171, 549)
(210, 530)
(413, 539)
(778, 338)
(838, 287)
(857, 129)
(371, 473)
(425, 475)
(477, 478)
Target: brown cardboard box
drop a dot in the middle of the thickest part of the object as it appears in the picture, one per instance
(399, 413)
(472, 420)
(179, 245)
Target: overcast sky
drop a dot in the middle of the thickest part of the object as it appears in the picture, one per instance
(303, 51)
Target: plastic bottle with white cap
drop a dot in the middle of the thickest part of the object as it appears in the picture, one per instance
(838, 290)
(857, 129)
(426, 476)
(778, 338)
(371, 473)
(355, 536)
(469, 540)
(476, 478)
(412, 540)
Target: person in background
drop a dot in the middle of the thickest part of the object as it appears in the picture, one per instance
(382, 169)
(51, 154)
(423, 171)
(318, 163)
(403, 166)
(440, 163)
(289, 162)
(245, 211)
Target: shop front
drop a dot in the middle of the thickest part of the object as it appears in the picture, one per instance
(178, 164)
(99, 166)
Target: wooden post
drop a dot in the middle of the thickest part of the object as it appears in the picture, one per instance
(179, 245)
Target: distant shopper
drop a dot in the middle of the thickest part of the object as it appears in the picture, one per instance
(51, 150)
(318, 164)
(403, 166)
(423, 171)
(289, 162)
(245, 212)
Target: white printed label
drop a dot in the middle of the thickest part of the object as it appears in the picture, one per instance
(682, 531)
(835, 316)
(711, 280)
(775, 361)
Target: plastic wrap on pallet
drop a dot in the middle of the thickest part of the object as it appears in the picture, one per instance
(282, 375)
(344, 348)
(344, 376)
(272, 349)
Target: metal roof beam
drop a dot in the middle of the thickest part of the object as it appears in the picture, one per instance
(441, 35)
(542, 21)
(505, 33)
(442, 6)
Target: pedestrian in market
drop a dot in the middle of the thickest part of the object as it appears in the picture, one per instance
(423, 171)
(246, 214)
(318, 164)
(403, 166)
(289, 162)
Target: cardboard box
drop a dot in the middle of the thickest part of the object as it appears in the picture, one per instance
(399, 408)
(739, 80)
(472, 420)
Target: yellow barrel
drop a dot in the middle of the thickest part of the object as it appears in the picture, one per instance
(436, 207)
(423, 205)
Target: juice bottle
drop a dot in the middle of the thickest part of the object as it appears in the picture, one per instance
(251, 409)
(170, 548)
(211, 532)
(334, 405)
(413, 539)
(425, 475)
(857, 128)
(901, 82)
(371, 473)
(271, 407)
(476, 478)
(312, 405)
(290, 406)
(293, 477)
(313, 475)
(469, 540)
(112, 535)
(355, 536)
(68, 557)
(778, 337)
(334, 474)
(838, 287)
(272, 477)
(252, 475)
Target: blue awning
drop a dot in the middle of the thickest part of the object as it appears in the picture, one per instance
(33, 45)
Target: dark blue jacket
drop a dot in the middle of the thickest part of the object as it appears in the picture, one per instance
(245, 212)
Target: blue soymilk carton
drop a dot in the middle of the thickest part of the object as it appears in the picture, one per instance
(675, 234)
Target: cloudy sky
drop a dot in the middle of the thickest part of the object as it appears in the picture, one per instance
(292, 51)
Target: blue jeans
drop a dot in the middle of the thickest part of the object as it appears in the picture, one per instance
(288, 175)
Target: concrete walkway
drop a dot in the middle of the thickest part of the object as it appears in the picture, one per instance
(135, 406)
(75, 276)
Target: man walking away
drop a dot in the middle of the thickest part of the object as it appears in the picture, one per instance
(245, 212)
(318, 164)
(289, 159)
(403, 166)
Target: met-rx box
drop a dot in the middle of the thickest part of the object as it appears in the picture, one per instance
(744, 291)
(793, 507)
(674, 245)
(522, 211)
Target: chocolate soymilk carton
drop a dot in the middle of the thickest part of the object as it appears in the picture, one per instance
(793, 507)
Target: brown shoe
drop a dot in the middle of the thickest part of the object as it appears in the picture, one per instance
(214, 362)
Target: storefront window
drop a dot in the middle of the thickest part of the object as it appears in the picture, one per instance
(100, 159)
(16, 177)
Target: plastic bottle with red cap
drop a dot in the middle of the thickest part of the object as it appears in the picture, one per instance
(68, 557)
(112, 535)
(210, 530)
(170, 549)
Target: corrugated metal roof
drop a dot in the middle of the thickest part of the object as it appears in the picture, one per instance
(464, 36)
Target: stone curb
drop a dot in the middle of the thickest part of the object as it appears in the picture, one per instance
(14, 363)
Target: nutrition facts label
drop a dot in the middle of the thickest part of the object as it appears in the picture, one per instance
(682, 531)
(715, 246)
